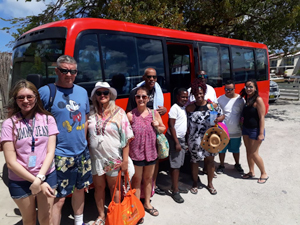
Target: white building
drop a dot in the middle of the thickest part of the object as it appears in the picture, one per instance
(285, 65)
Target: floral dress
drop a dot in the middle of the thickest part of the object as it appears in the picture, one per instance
(107, 138)
(198, 123)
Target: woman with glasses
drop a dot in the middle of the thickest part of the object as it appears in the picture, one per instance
(253, 129)
(109, 134)
(28, 139)
(143, 148)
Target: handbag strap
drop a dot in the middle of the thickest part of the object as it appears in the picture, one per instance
(153, 116)
(118, 184)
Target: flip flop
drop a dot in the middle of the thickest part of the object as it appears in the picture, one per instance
(264, 180)
(194, 190)
(152, 211)
(212, 191)
(248, 176)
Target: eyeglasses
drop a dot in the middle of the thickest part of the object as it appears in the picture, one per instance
(144, 97)
(65, 71)
(99, 93)
(203, 76)
(22, 97)
(229, 89)
(249, 87)
(149, 77)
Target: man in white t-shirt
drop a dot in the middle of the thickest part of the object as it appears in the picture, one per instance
(210, 91)
(232, 105)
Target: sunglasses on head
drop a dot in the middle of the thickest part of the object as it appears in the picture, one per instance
(149, 77)
(99, 93)
(144, 97)
(229, 89)
(65, 71)
(22, 97)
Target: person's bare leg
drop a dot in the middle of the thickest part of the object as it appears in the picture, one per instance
(236, 157)
(137, 180)
(45, 205)
(247, 143)
(56, 210)
(147, 182)
(27, 209)
(111, 182)
(210, 170)
(255, 144)
(100, 184)
(78, 201)
(195, 174)
(222, 158)
(175, 178)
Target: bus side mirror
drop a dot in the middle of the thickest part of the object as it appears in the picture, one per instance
(36, 79)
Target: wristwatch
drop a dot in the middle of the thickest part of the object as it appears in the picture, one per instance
(42, 177)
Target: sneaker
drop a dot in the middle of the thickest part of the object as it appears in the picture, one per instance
(220, 169)
(177, 197)
(239, 168)
(159, 191)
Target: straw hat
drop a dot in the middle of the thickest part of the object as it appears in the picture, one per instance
(100, 84)
(215, 139)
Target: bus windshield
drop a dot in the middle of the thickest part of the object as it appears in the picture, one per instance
(37, 58)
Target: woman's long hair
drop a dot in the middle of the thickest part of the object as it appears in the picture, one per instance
(111, 105)
(13, 107)
(250, 101)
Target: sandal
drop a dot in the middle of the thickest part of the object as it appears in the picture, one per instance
(99, 221)
(194, 190)
(152, 212)
(212, 191)
(141, 221)
(248, 176)
(262, 180)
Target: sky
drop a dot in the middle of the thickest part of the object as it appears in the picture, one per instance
(11, 9)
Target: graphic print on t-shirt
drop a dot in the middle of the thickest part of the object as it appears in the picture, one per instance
(75, 114)
(39, 131)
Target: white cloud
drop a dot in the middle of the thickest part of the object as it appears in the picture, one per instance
(12, 8)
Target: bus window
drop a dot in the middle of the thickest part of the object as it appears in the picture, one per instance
(261, 64)
(243, 64)
(88, 61)
(225, 64)
(210, 63)
(37, 58)
(150, 54)
(179, 67)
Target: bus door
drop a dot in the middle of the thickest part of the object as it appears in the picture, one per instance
(181, 66)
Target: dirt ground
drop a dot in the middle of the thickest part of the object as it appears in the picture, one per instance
(238, 201)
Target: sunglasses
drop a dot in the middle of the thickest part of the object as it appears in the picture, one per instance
(229, 89)
(249, 87)
(144, 97)
(99, 93)
(65, 71)
(203, 76)
(22, 97)
(149, 77)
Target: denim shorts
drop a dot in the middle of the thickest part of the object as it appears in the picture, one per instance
(73, 172)
(252, 132)
(233, 145)
(20, 189)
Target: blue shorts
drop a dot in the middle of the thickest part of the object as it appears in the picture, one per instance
(251, 132)
(73, 172)
(233, 145)
(20, 189)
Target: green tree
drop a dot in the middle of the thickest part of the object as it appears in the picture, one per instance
(275, 23)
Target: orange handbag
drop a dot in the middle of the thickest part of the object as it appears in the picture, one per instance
(127, 212)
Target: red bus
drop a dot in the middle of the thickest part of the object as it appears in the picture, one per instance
(119, 52)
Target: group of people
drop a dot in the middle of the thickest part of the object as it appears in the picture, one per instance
(52, 155)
